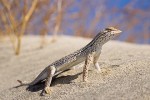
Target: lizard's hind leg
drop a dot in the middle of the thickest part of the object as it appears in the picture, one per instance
(50, 73)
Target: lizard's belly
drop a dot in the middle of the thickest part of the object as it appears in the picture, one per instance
(68, 64)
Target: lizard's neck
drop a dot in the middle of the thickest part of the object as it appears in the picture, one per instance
(98, 41)
(101, 38)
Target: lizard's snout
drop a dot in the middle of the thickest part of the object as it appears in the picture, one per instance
(113, 30)
(116, 32)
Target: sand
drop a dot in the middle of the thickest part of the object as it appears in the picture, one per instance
(125, 71)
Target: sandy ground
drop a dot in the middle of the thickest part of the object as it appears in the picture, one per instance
(125, 71)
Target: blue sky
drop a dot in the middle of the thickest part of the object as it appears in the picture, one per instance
(142, 5)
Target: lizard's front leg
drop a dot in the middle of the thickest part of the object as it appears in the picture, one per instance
(50, 72)
(88, 61)
(95, 62)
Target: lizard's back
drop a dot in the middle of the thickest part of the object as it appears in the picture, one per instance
(69, 60)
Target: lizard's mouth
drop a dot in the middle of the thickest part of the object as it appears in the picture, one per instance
(116, 32)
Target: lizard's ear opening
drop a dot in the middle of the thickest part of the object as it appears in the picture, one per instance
(113, 30)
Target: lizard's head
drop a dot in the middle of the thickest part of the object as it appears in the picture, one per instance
(112, 31)
(108, 34)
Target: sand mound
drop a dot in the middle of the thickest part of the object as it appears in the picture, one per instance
(125, 71)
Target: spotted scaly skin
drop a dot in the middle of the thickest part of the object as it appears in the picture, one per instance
(90, 54)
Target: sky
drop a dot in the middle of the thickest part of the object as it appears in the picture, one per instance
(136, 31)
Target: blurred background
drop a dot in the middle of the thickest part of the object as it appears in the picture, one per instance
(83, 18)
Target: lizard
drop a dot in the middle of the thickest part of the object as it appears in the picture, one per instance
(90, 54)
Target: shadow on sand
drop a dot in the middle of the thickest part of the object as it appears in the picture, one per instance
(58, 80)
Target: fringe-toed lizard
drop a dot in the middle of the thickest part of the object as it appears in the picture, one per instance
(90, 54)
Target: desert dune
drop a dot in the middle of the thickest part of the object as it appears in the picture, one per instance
(125, 71)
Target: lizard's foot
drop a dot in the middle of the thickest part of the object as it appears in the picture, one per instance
(85, 80)
(98, 71)
(47, 90)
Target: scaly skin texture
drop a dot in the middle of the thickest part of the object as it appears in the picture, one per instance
(90, 54)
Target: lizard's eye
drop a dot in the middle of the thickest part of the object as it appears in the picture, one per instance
(111, 29)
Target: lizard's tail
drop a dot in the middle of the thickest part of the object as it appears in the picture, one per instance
(22, 83)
